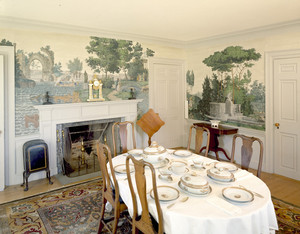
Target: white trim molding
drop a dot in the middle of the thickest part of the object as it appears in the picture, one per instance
(26, 24)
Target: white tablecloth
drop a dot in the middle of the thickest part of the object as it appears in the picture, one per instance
(206, 214)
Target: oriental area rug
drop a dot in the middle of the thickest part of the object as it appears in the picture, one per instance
(76, 209)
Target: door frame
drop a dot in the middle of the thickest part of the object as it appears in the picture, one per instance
(269, 76)
(8, 158)
(182, 91)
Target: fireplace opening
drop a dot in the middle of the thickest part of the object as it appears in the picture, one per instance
(76, 149)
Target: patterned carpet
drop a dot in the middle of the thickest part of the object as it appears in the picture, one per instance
(76, 209)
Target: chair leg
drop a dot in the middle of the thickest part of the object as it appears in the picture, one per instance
(116, 220)
(101, 225)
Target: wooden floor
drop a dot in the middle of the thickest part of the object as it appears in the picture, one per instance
(281, 187)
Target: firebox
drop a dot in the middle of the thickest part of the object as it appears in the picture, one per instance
(76, 148)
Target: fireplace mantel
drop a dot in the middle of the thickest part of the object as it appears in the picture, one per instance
(53, 114)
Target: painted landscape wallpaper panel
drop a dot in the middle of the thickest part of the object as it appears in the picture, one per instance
(229, 93)
(48, 75)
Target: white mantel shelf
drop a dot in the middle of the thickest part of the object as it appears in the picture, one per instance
(74, 112)
(53, 114)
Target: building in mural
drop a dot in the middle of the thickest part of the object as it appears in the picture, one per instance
(119, 64)
(230, 95)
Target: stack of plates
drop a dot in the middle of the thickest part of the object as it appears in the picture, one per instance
(194, 184)
(226, 166)
(220, 175)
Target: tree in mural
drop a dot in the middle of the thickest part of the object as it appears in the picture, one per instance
(233, 60)
(57, 69)
(112, 56)
(190, 78)
(206, 97)
(107, 55)
(125, 51)
(75, 67)
(136, 67)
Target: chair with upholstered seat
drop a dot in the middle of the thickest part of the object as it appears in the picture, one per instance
(247, 151)
(143, 222)
(123, 134)
(199, 131)
(110, 192)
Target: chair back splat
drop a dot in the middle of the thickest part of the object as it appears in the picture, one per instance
(123, 133)
(247, 151)
(110, 192)
(199, 139)
(143, 222)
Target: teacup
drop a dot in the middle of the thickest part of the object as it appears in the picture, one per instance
(165, 173)
(178, 167)
(198, 163)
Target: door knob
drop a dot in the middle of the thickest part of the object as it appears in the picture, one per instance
(277, 125)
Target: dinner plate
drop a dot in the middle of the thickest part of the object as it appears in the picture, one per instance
(220, 181)
(121, 168)
(165, 193)
(135, 152)
(194, 192)
(237, 194)
(182, 153)
(226, 165)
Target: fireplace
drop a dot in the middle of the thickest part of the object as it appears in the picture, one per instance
(54, 118)
(76, 150)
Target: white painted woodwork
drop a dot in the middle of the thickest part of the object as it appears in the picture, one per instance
(2, 166)
(7, 159)
(166, 98)
(51, 115)
(287, 113)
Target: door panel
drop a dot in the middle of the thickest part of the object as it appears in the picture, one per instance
(2, 163)
(286, 113)
(168, 102)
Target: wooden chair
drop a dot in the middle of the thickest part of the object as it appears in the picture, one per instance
(123, 133)
(143, 222)
(247, 151)
(199, 139)
(150, 123)
(110, 193)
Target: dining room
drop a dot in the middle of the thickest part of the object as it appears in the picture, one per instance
(233, 77)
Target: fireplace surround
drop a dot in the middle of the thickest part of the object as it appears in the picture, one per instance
(55, 115)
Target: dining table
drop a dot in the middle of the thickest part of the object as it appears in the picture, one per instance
(208, 213)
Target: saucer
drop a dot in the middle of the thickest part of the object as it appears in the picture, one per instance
(178, 173)
(161, 163)
(169, 178)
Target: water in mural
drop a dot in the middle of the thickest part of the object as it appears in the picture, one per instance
(230, 95)
(40, 77)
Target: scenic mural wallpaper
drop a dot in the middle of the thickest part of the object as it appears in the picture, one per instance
(230, 94)
(119, 64)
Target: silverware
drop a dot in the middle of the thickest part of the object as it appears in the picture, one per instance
(254, 193)
(184, 199)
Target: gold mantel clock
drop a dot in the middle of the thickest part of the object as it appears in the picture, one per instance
(95, 90)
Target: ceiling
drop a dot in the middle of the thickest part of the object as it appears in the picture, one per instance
(180, 20)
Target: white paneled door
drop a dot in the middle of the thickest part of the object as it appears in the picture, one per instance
(286, 117)
(167, 99)
(2, 166)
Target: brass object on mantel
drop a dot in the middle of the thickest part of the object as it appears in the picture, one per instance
(96, 85)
